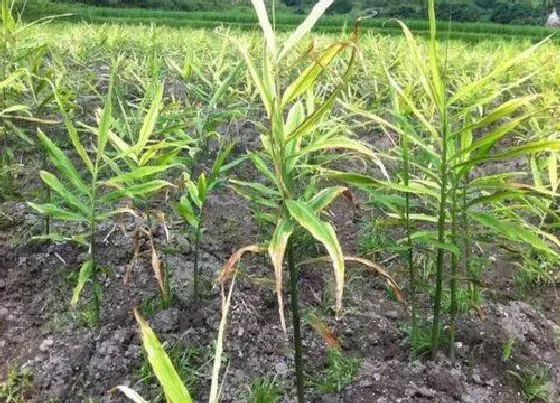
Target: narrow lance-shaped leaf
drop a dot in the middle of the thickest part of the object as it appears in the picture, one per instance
(53, 182)
(150, 119)
(487, 141)
(305, 27)
(512, 230)
(312, 120)
(83, 277)
(185, 209)
(136, 174)
(269, 36)
(135, 190)
(57, 212)
(7, 18)
(265, 97)
(552, 168)
(72, 132)
(537, 146)
(296, 116)
(346, 143)
(474, 87)
(226, 303)
(276, 250)
(307, 78)
(219, 162)
(502, 111)
(324, 233)
(171, 382)
(63, 163)
(105, 120)
(325, 197)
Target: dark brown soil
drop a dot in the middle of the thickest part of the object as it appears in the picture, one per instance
(72, 362)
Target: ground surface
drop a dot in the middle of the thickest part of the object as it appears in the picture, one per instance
(72, 362)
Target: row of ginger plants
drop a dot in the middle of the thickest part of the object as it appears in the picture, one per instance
(443, 136)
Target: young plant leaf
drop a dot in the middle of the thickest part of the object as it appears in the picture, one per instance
(83, 277)
(63, 163)
(70, 199)
(57, 212)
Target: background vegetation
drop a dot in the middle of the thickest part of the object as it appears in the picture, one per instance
(523, 12)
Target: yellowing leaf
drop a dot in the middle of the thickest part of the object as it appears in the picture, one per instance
(131, 394)
(324, 233)
(262, 16)
(171, 382)
(276, 250)
(308, 77)
(305, 27)
(325, 197)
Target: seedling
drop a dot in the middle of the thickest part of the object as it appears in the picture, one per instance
(86, 198)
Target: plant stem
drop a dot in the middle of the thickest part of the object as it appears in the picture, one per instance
(441, 238)
(453, 273)
(92, 249)
(93, 255)
(409, 252)
(47, 198)
(296, 322)
(196, 264)
(166, 285)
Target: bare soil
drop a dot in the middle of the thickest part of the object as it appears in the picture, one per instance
(72, 362)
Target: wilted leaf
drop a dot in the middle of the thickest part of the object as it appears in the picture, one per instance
(276, 250)
(369, 264)
(229, 267)
(324, 331)
(324, 233)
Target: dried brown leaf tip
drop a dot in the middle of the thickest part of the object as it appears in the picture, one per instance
(229, 267)
(350, 198)
(370, 265)
(136, 254)
(161, 227)
(324, 331)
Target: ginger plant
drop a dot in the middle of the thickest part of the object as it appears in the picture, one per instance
(450, 132)
(88, 197)
(192, 205)
(295, 131)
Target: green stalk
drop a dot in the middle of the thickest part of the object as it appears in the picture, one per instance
(453, 273)
(441, 238)
(167, 285)
(196, 264)
(92, 249)
(47, 198)
(296, 321)
(93, 255)
(467, 244)
(409, 252)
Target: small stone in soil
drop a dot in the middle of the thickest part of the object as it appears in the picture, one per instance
(392, 314)
(281, 368)
(46, 345)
